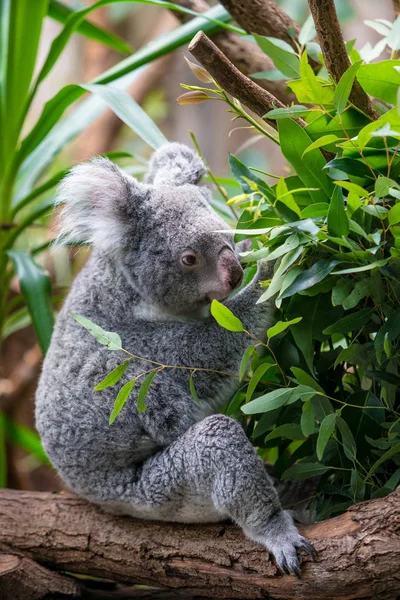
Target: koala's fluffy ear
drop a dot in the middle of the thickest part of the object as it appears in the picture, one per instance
(98, 204)
(175, 164)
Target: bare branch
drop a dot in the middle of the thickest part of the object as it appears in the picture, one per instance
(231, 79)
(334, 51)
(246, 57)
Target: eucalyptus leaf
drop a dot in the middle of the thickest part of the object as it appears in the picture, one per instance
(225, 317)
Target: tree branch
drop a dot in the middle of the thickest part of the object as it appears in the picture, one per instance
(22, 578)
(236, 84)
(334, 51)
(246, 56)
(358, 552)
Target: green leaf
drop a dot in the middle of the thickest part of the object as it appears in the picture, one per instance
(394, 214)
(291, 431)
(106, 338)
(310, 277)
(261, 370)
(380, 79)
(122, 397)
(58, 135)
(304, 470)
(357, 485)
(281, 53)
(307, 421)
(17, 320)
(278, 398)
(350, 166)
(307, 32)
(248, 354)
(242, 173)
(129, 111)
(192, 388)
(281, 326)
(290, 112)
(371, 266)
(319, 209)
(344, 87)
(275, 285)
(350, 322)
(36, 290)
(383, 185)
(225, 317)
(291, 243)
(338, 223)
(60, 12)
(348, 441)
(325, 431)
(323, 141)
(306, 379)
(394, 451)
(294, 140)
(144, 388)
(26, 439)
(361, 290)
(21, 24)
(113, 377)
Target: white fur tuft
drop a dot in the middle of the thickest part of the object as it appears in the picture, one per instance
(91, 194)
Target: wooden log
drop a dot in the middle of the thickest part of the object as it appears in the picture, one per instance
(358, 552)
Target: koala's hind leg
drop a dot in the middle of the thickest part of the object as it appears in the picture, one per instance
(210, 473)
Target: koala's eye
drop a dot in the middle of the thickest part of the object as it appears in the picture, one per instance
(189, 260)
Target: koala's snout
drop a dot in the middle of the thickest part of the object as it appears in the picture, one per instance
(230, 269)
(236, 277)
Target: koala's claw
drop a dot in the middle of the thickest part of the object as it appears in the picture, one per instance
(309, 548)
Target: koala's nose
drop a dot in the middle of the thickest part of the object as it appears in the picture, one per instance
(236, 277)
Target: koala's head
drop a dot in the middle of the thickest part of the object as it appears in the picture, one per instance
(163, 233)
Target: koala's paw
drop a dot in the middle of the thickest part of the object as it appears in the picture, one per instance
(284, 541)
(265, 270)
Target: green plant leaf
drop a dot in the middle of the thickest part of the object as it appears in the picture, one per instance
(380, 79)
(338, 223)
(16, 321)
(113, 377)
(290, 112)
(306, 379)
(325, 431)
(307, 32)
(60, 12)
(357, 485)
(278, 398)
(36, 290)
(242, 174)
(25, 438)
(291, 431)
(281, 53)
(348, 441)
(310, 277)
(106, 338)
(394, 214)
(248, 354)
(304, 470)
(350, 166)
(144, 388)
(225, 317)
(122, 397)
(344, 87)
(350, 322)
(294, 140)
(307, 421)
(257, 376)
(192, 388)
(281, 326)
(394, 451)
(331, 138)
(129, 111)
(374, 265)
(58, 135)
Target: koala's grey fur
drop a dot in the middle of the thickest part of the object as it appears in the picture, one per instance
(177, 461)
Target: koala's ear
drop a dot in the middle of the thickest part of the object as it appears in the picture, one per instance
(175, 164)
(98, 204)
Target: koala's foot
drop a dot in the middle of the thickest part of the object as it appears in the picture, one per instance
(284, 541)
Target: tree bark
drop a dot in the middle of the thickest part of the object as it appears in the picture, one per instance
(334, 51)
(246, 56)
(23, 579)
(358, 552)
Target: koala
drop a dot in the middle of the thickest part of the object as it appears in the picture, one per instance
(160, 256)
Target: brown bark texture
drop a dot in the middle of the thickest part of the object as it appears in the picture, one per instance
(23, 579)
(333, 49)
(358, 552)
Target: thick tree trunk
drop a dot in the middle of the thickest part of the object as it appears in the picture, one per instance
(358, 552)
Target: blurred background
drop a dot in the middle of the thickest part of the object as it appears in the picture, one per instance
(156, 89)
